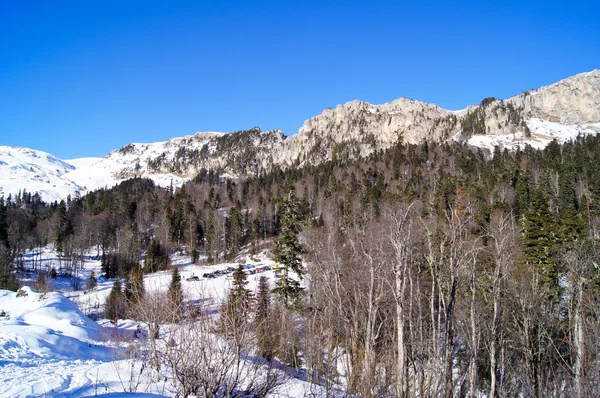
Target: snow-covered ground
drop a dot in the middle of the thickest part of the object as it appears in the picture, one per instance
(54, 179)
(542, 133)
(49, 345)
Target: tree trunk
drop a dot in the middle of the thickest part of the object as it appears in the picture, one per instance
(579, 342)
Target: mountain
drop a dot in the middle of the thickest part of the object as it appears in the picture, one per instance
(36, 171)
(356, 129)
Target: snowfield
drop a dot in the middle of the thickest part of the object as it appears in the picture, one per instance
(542, 133)
(55, 179)
(50, 346)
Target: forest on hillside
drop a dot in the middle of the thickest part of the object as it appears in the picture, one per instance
(431, 270)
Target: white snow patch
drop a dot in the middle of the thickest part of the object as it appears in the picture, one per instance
(542, 133)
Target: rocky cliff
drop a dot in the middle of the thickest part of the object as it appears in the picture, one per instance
(353, 130)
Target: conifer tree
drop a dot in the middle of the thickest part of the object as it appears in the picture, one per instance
(92, 281)
(235, 312)
(115, 306)
(137, 285)
(175, 293)
(265, 332)
(40, 285)
(539, 238)
(156, 258)
(7, 279)
(210, 234)
(287, 253)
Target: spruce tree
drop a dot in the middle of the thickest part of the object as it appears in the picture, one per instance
(137, 285)
(8, 280)
(264, 330)
(40, 285)
(540, 238)
(234, 314)
(92, 281)
(287, 253)
(115, 306)
(175, 294)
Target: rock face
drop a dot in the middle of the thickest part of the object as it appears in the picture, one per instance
(575, 100)
(241, 153)
(349, 131)
(357, 128)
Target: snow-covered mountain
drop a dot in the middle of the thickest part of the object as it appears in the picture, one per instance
(356, 129)
(35, 171)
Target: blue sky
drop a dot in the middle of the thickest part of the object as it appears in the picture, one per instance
(83, 78)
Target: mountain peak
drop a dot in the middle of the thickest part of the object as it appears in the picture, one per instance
(348, 131)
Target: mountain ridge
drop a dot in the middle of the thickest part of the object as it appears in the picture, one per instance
(352, 130)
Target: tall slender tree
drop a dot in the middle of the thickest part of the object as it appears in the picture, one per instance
(287, 253)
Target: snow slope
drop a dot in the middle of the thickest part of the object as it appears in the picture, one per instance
(36, 171)
(55, 179)
(48, 347)
(542, 133)
(45, 344)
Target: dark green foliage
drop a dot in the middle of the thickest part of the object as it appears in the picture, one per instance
(137, 286)
(474, 122)
(3, 223)
(156, 258)
(116, 305)
(175, 293)
(234, 231)
(64, 227)
(540, 235)
(287, 252)
(8, 279)
(234, 314)
(264, 322)
(117, 265)
(92, 281)
(210, 235)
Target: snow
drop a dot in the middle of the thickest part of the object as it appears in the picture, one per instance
(54, 179)
(36, 171)
(542, 133)
(50, 347)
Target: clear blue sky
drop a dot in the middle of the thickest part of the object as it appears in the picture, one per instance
(82, 78)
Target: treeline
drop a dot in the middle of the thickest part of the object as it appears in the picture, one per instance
(432, 269)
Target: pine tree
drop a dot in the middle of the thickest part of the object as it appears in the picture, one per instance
(115, 306)
(156, 258)
(540, 238)
(265, 332)
(234, 230)
(40, 285)
(234, 314)
(92, 281)
(287, 252)
(64, 227)
(3, 223)
(210, 234)
(8, 280)
(175, 294)
(137, 285)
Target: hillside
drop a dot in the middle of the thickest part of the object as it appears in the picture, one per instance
(353, 130)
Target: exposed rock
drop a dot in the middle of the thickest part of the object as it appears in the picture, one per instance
(349, 131)
(575, 100)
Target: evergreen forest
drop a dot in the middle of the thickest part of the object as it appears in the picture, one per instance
(422, 270)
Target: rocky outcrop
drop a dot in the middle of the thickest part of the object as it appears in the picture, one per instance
(357, 129)
(561, 111)
(575, 100)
